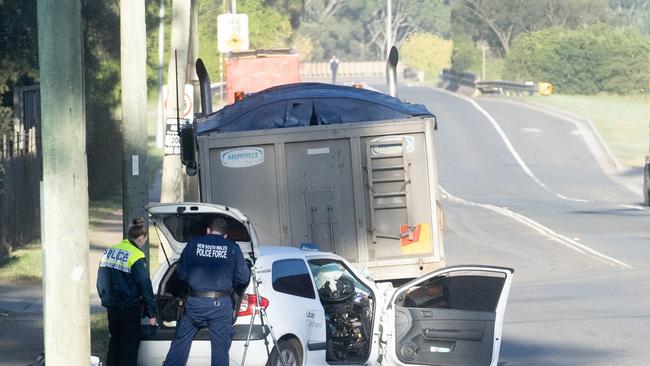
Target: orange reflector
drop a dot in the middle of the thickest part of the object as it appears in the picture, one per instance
(239, 96)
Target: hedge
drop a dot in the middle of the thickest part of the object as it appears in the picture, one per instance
(590, 60)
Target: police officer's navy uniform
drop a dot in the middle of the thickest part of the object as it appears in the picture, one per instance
(124, 286)
(212, 266)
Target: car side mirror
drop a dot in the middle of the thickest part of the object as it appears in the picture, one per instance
(188, 149)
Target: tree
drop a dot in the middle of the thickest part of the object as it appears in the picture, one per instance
(267, 27)
(357, 28)
(427, 52)
(500, 21)
(634, 13)
(589, 60)
(18, 47)
(101, 27)
(465, 56)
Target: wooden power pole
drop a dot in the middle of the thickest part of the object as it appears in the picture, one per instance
(133, 54)
(64, 193)
(172, 175)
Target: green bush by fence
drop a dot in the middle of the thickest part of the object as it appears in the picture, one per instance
(589, 60)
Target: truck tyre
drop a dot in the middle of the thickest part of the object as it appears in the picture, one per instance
(291, 352)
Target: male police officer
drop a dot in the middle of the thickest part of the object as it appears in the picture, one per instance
(123, 285)
(212, 267)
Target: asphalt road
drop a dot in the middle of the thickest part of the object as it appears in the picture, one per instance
(529, 190)
(523, 189)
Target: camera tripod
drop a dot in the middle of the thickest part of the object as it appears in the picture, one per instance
(266, 324)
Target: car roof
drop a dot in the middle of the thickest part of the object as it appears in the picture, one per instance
(268, 251)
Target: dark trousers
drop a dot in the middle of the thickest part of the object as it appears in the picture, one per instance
(124, 327)
(216, 314)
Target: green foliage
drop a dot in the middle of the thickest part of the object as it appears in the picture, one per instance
(590, 60)
(304, 46)
(18, 47)
(499, 21)
(267, 27)
(209, 10)
(293, 8)
(427, 52)
(466, 56)
(356, 29)
(22, 265)
(102, 77)
(152, 22)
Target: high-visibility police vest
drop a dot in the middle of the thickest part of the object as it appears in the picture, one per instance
(121, 256)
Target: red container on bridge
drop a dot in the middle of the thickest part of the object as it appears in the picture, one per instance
(252, 71)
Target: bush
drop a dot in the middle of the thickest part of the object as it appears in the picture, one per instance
(427, 52)
(590, 60)
(466, 57)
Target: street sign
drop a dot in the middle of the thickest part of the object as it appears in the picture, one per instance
(172, 140)
(188, 99)
(232, 32)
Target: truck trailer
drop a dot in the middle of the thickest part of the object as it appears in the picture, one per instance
(253, 71)
(351, 170)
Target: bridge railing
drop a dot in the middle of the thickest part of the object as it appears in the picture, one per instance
(345, 69)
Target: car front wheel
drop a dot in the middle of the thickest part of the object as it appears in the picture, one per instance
(291, 353)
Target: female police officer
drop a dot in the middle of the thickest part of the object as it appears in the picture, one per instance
(124, 287)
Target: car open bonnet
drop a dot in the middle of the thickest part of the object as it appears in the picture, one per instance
(177, 223)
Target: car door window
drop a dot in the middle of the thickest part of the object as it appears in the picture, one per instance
(291, 276)
(349, 311)
(456, 292)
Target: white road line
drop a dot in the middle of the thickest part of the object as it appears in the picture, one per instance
(633, 207)
(543, 230)
(515, 154)
(531, 129)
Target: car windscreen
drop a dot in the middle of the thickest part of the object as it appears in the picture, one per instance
(188, 225)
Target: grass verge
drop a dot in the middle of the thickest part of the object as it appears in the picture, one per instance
(623, 122)
(23, 264)
(99, 334)
(98, 210)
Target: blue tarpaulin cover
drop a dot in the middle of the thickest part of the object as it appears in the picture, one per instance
(305, 104)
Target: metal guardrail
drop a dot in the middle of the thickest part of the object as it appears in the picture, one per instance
(505, 87)
(501, 87)
(459, 78)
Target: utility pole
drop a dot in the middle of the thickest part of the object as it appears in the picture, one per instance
(160, 121)
(64, 190)
(389, 29)
(133, 55)
(172, 181)
(191, 184)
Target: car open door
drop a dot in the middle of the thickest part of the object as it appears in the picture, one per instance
(453, 316)
(177, 223)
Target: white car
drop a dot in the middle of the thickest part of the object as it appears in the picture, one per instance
(322, 310)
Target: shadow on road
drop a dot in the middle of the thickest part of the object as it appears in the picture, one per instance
(612, 212)
(521, 352)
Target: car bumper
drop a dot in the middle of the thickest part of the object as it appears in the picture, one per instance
(155, 345)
